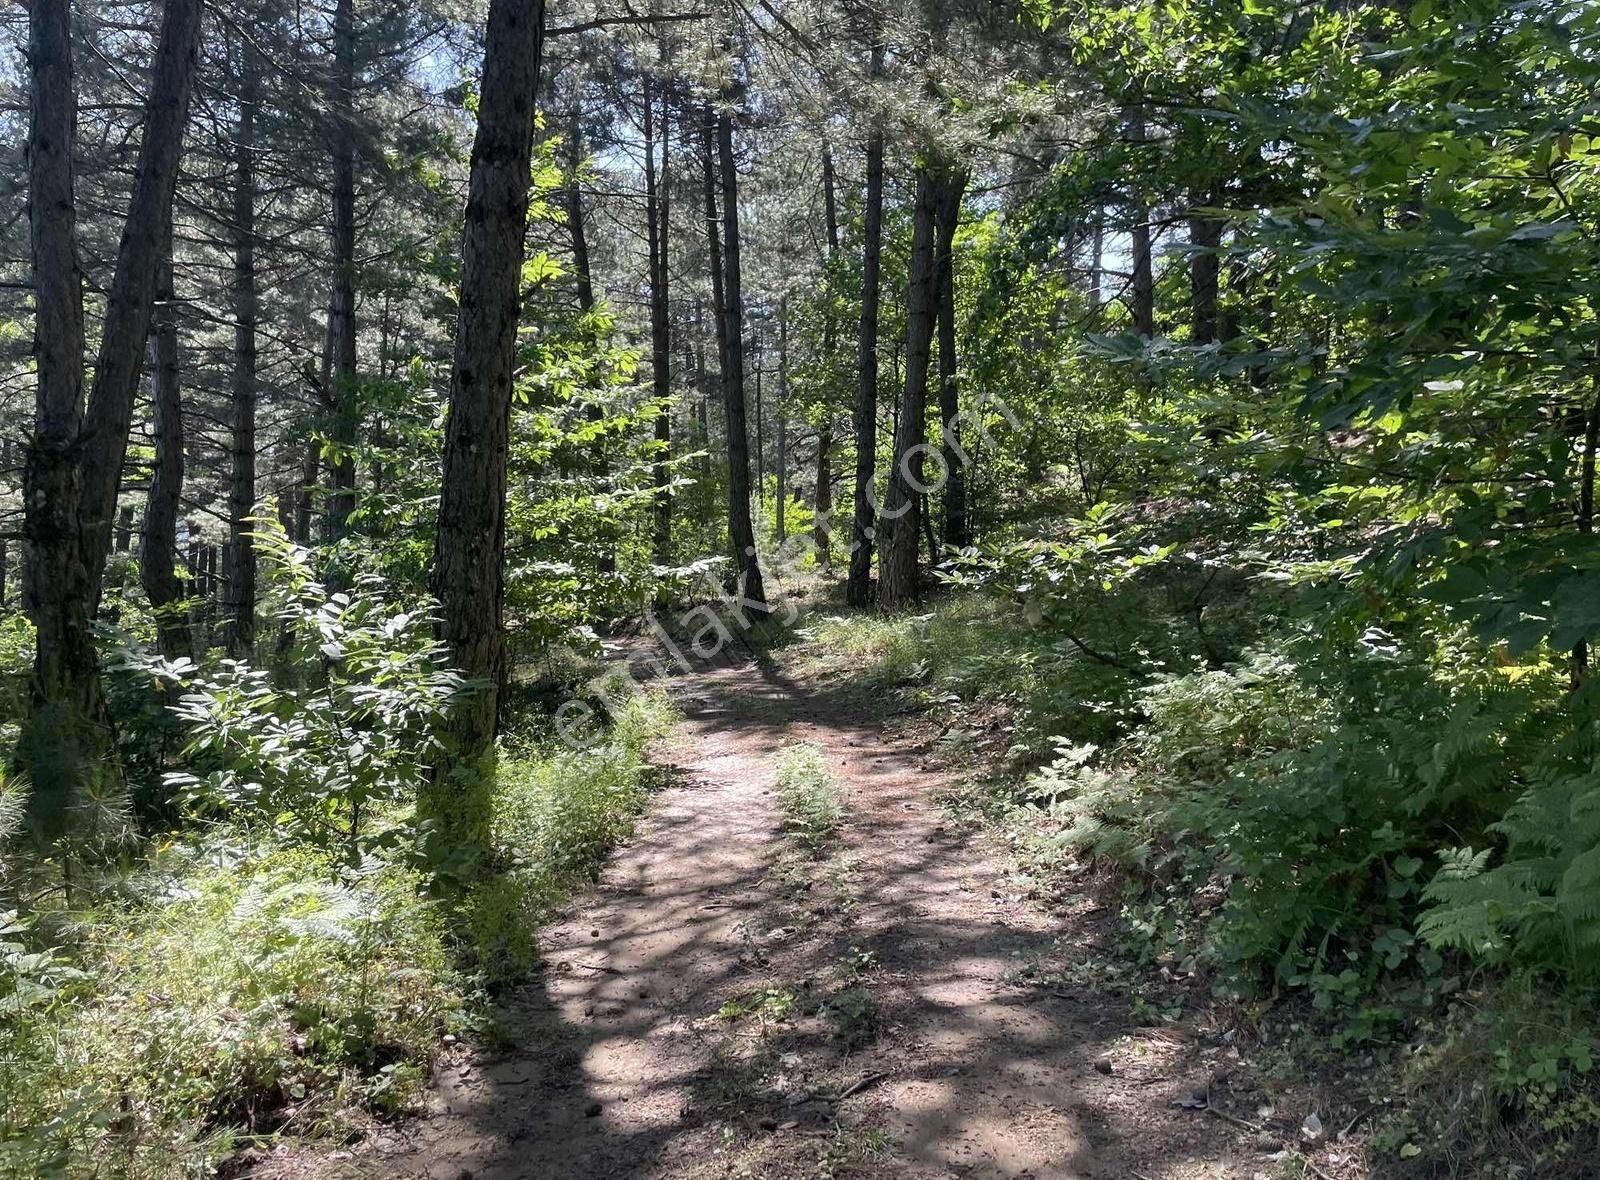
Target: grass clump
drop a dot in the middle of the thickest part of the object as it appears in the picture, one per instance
(809, 796)
(1009, 687)
(254, 989)
(556, 816)
(1503, 1077)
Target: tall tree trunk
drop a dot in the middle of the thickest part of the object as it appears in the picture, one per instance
(782, 527)
(714, 255)
(954, 494)
(1144, 287)
(1205, 237)
(1097, 262)
(938, 186)
(130, 303)
(342, 307)
(822, 501)
(577, 232)
(240, 579)
(858, 587)
(1579, 670)
(75, 459)
(158, 539)
(749, 587)
(55, 581)
(702, 384)
(310, 472)
(469, 553)
(656, 215)
(761, 426)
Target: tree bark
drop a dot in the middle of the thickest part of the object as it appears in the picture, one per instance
(714, 255)
(656, 217)
(158, 539)
(577, 232)
(702, 383)
(1097, 262)
(740, 530)
(822, 501)
(761, 426)
(130, 303)
(342, 307)
(858, 587)
(1579, 671)
(310, 472)
(240, 576)
(939, 184)
(55, 580)
(1205, 236)
(469, 552)
(75, 459)
(781, 531)
(953, 496)
(1144, 288)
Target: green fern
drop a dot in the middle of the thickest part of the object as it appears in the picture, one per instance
(1543, 898)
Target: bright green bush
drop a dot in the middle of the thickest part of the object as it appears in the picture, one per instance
(323, 754)
(1313, 796)
(1529, 892)
(16, 666)
(1206, 723)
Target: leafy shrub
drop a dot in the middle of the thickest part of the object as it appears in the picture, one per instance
(325, 755)
(1307, 794)
(1204, 724)
(809, 795)
(16, 668)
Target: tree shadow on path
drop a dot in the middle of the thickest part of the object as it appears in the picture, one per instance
(946, 1061)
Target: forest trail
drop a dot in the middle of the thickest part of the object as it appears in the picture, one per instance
(875, 1017)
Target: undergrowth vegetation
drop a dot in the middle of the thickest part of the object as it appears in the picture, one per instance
(283, 959)
(257, 988)
(1400, 832)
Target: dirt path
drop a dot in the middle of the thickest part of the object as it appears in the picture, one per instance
(876, 1015)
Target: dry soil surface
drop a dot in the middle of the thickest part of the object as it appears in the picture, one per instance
(727, 1003)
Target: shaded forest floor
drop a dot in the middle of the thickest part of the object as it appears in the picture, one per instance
(731, 1002)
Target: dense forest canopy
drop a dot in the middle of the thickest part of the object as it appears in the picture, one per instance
(1231, 370)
